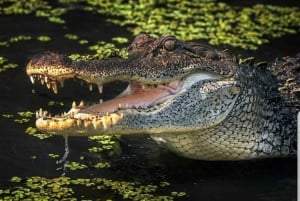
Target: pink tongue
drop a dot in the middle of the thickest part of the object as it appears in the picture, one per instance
(138, 97)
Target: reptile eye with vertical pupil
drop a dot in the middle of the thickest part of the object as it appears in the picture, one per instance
(170, 44)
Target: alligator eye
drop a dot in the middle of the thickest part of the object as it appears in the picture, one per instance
(170, 44)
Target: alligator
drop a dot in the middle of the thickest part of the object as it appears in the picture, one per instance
(197, 101)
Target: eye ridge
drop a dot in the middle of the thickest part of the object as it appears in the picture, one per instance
(170, 44)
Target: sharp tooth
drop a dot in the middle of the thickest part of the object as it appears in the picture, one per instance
(79, 122)
(143, 87)
(100, 88)
(37, 114)
(61, 83)
(87, 123)
(81, 104)
(101, 101)
(120, 105)
(106, 121)
(32, 79)
(42, 81)
(54, 87)
(40, 112)
(97, 123)
(74, 105)
(48, 85)
(46, 79)
(115, 118)
(45, 113)
(90, 87)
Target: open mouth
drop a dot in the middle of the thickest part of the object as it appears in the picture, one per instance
(135, 96)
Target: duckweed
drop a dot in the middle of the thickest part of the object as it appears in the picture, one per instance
(109, 144)
(75, 166)
(53, 156)
(71, 36)
(44, 38)
(5, 65)
(120, 40)
(34, 132)
(9, 116)
(19, 38)
(53, 103)
(63, 188)
(217, 22)
(101, 165)
(16, 179)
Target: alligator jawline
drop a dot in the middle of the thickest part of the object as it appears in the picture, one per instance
(136, 95)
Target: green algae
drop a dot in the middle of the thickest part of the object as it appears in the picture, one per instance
(218, 22)
(107, 143)
(53, 103)
(75, 165)
(64, 188)
(35, 133)
(24, 117)
(44, 38)
(5, 65)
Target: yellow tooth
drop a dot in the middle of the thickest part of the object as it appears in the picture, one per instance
(40, 112)
(32, 79)
(87, 123)
(79, 122)
(42, 81)
(54, 87)
(97, 123)
(74, 105)
(69, 123)
(48, 85)
(81, 104)
(115, 118)
(91, 87)
(100, 88)
(106, 121)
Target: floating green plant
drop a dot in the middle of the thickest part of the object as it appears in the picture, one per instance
(75, 165)
(120, 40)
(219, 23)
(5, 65)
(101, 165)
(53, 156)
(64, 188)
(105, 142)
(53, 103)
(71, 36)
(19, 38)
(9, 116)
(24, 117)
(44, 38)
(34, 132)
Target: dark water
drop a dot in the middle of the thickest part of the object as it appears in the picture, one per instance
(262, 180)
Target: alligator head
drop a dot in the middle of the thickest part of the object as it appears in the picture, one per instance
(194, 100)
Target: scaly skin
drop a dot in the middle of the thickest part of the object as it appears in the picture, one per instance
(194, 100)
